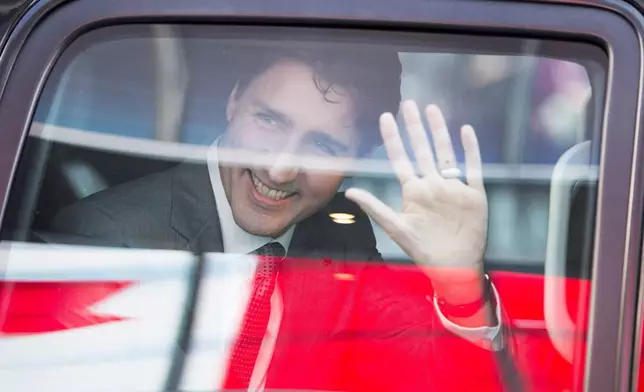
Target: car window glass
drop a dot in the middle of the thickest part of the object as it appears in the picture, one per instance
(162, 142)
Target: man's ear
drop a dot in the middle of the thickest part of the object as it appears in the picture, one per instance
(232, 103)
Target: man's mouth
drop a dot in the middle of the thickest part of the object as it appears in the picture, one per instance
(267, 191)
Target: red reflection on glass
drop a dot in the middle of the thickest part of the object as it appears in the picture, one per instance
(41, 307)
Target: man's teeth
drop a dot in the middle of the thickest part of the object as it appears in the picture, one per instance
(269, 192)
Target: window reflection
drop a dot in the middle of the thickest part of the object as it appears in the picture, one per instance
(123, 144)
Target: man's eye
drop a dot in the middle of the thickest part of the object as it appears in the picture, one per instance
(326, 148)
(266, 119)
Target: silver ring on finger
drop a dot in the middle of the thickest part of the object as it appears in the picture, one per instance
(451, 173)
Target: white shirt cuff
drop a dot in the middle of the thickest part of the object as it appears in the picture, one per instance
(488, 338)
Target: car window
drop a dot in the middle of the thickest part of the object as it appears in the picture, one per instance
(147, 141)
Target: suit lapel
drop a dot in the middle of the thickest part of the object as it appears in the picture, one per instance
(194, 211)
(319, 279)
(316, 260)
(317, 307)
(315, 238)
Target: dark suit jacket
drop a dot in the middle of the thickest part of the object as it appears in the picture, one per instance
(374, 331)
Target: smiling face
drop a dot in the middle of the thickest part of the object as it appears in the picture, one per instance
(283, 115)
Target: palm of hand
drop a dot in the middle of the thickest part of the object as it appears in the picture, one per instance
(443, 221)
(450, 221)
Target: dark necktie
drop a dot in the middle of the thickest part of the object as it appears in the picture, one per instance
(246, 348)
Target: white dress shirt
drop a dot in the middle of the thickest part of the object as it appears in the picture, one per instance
(237, 241)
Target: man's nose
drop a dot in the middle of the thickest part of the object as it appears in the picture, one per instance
(285, 168)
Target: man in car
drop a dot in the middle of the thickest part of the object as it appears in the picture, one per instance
(298, 122)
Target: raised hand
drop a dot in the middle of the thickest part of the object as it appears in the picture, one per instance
(443, 222)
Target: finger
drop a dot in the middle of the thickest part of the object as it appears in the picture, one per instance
(473, 163)
(418, 137)
(395, 148)
(442, 141)
(382, 214)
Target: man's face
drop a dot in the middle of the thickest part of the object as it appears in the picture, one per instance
(283, 117)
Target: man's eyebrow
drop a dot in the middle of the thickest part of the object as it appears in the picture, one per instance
(278, 116)
(324, 137)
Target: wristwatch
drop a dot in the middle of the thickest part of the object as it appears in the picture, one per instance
(468, 309)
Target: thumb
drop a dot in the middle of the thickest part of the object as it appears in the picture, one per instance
(382, 214)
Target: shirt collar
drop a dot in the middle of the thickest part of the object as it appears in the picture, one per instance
(236, 240)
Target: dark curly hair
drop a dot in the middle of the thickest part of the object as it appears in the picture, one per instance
(370, 75)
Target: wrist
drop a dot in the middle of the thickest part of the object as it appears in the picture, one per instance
(464, 300)
(459, 285)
